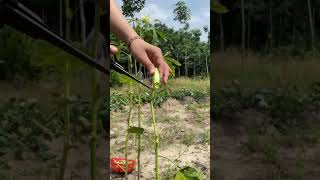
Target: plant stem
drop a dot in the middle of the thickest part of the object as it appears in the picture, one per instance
(66, 126)
(156, 138)
(66, 123)
(127, 136)
(139, 136)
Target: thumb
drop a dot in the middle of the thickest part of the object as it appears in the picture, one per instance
(113, 49)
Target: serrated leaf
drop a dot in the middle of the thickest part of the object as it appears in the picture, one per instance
(136, 130)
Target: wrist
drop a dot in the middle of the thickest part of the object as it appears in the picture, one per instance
(132, 40)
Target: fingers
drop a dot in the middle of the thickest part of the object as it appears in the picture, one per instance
(164, 70)
(166, 74)
(113, 50)
(144, 59)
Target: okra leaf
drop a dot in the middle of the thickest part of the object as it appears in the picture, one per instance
(136, 130)
(188, 173)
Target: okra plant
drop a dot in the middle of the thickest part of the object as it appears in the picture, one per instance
(150, 34)
(155, 85)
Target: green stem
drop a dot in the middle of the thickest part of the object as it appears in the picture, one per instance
(156, 137)
(127, 136)
(139, 136)
(66, 123)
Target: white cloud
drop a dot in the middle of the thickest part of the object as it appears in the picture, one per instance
(155, 12)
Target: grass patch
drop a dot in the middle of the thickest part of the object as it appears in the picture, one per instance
(201, 84)
(188, 139)
(264, 72)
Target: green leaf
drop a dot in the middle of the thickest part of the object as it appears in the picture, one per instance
(155, 38)
(136, 130)
(188, 173)
(162, 35)
(173, 61)
(217, 7)
(180, 176)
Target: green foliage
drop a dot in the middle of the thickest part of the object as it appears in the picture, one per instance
(118, 79)
(23, 128)
(188, 173)
(136, 130)
(118, 100)
(283, 107)
(130, 7)
(188, 139)
(182, 12)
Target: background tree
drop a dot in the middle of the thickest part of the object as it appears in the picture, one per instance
(130, 7)
(183, 15)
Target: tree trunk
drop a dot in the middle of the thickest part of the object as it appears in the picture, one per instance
(221, 33)
(194, 68)
(185, 65)
(248, 30)
(311, 24)
(207, 68)
(61, 18)
(83, 22)
(243, 36)
(178, 68)
(293, 31)
(271, 25)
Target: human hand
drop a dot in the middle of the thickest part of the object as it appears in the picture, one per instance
(150, 56)
(113, 50)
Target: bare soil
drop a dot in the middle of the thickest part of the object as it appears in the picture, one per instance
(301, 162)
(180, 127)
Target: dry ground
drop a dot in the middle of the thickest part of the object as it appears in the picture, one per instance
(183, 128)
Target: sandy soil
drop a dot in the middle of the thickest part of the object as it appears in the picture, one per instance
(179, 125)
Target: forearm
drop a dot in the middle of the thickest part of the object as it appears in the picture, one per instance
(119, 25)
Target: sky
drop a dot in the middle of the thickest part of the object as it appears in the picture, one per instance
(163, 10)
